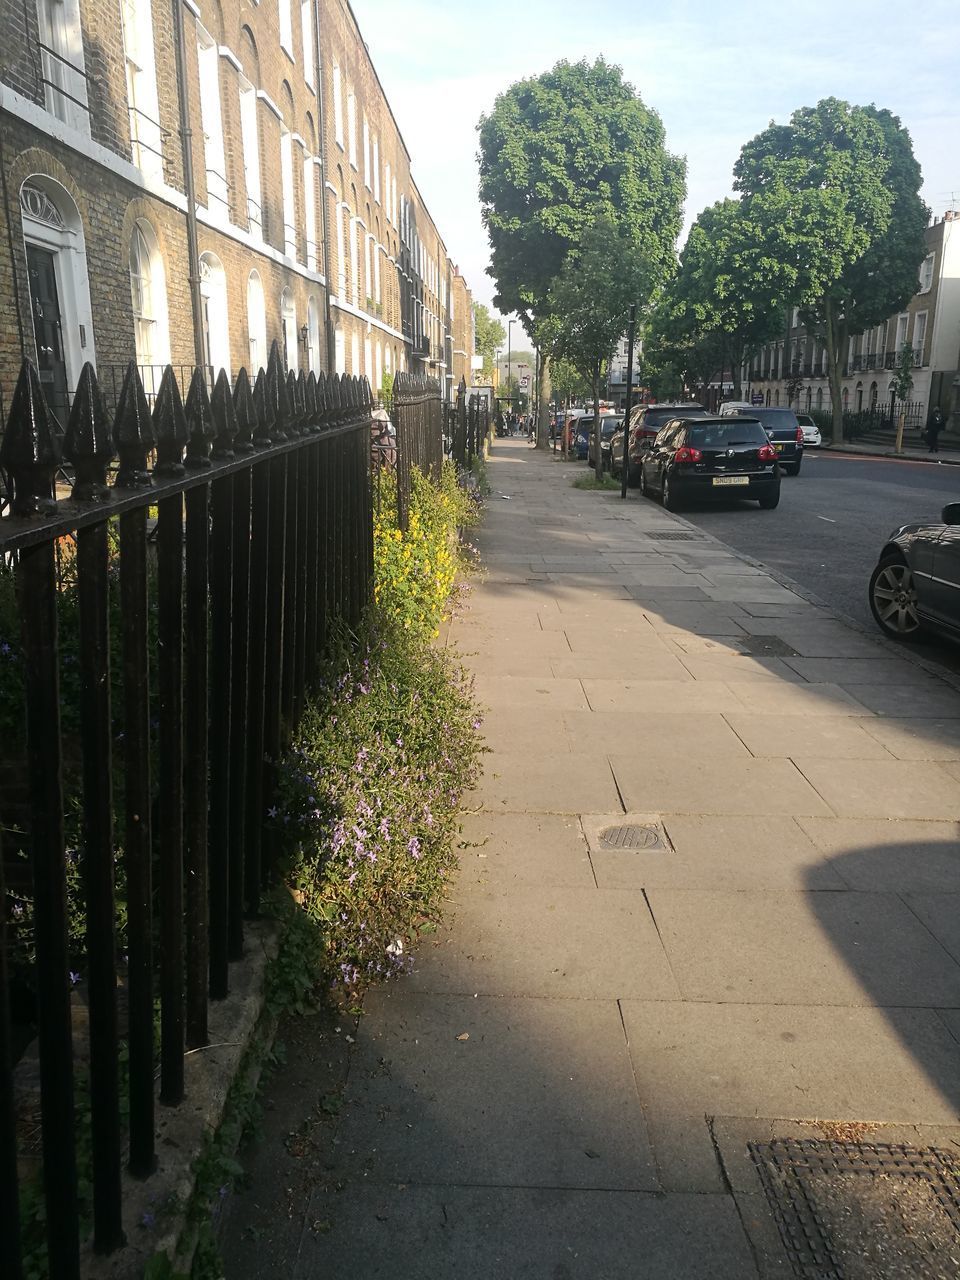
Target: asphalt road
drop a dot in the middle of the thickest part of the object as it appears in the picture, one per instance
(831, 522)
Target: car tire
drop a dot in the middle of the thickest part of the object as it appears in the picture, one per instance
(770, 500)
(667, 496)
(793, 469)
(893, 601)
(642, 482)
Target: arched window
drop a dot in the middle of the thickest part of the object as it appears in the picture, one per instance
(148, 292)
(859, 396)
(313, 334)
(287, 192)
(288, 326)
(819, 397)
(874, 395)
(249, 133)
(378, 369)
(216, 325)
(59, 289)
(809, 398)
(367, 359)
(310, 193)
(339, 350)
(145, 135)
(354, 353)
(846, 399)
(211, 121)
(256, 323)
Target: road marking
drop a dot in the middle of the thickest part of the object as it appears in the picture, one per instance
(827, 518)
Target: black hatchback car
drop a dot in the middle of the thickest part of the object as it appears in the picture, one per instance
(783, 431)
(915, 588)
(711, 458)
(645, 422)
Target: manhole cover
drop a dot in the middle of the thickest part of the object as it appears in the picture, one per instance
(633, 836)
(766, 647)
(675, 535)
(863, 1211)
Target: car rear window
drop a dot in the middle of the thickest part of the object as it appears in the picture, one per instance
(721, 435)
(775, 419)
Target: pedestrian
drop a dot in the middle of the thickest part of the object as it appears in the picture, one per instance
(934, 427)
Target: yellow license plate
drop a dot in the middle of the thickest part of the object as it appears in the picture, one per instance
(731, 479)
(779, 448)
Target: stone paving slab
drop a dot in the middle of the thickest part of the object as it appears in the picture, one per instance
(698, 736)
(909, 700)
(823, 737)
(734, 667)
(887, 856)
(489, 1233)
(576, 944)
(659, 697)
(519, 781)
(519, 850)
(760, 852)
(914, 739)
(793, 1061)
(849, 671)
(542, 1094)
(519, 729)
(884, 788)
(530, 691)
(775, 947)
(768, 697)
(940, 912)
(672, 783)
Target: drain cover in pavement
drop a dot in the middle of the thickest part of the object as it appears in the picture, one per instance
(863, 1211)
(675, 535)
(630, 837)
(766, 647)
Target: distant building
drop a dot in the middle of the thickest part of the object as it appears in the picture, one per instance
(929, 324)
(617, 372)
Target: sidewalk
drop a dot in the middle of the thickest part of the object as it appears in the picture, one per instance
(601, 1062)
(948, 454)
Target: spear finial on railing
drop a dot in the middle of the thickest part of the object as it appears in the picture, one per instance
(89, 440)
(302, 406)
(245, 413)
(294, 427)
(277, 395)
(170, 426)
(323, 400)
(200, 423)
(263, 436)
(133, 432)
(224, 418)
(313, 407)
(333, 399)
(30, 451)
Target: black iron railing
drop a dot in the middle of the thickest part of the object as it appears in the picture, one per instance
(419, 420)
(263, 540)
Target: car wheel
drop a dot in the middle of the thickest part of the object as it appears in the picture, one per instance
(793, 469)
(642, 481)
(893, 600)
(667, 496)
(770, 500)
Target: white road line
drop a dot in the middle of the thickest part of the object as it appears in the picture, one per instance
(827, 518)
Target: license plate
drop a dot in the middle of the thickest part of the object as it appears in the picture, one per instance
(731, 479)
(779, 448)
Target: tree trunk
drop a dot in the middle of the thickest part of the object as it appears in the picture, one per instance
(833, 341)
(543, 421)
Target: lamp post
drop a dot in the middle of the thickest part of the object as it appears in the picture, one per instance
(510, 324)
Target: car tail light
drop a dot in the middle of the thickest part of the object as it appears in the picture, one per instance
(799, 435)
(686, 454)
(766, 453)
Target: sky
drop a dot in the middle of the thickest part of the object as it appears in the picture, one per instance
(717, 72)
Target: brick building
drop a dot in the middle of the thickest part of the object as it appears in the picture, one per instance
(309, 228)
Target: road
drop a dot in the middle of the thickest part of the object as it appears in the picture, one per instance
(831, 522)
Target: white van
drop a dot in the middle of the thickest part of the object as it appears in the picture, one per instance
(737, 406)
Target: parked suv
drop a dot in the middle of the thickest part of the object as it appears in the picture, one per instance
(645, 423)
(781, 426)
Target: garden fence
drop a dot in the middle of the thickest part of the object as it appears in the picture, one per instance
(194, 655)
(419, 421)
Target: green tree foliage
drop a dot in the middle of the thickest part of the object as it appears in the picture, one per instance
(722, 304)
(833, 198)
(567, 380)
(591, 299)
(558, 152)
(489, 337)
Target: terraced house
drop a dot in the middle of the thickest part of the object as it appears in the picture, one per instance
(290, 213)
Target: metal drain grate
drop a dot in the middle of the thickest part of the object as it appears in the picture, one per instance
(675, 535)
(766, 647)
(633, 836)
(852, 1210)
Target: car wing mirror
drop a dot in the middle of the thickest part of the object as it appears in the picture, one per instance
(951, 513)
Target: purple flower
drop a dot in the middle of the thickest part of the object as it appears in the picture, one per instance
(413, 847)
(74, 978)
(148, 1219)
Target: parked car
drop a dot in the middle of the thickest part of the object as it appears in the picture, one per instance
(812, 438)
(915, 588)
(645, 422)
(711, 458)
(782, 428)
(609, 424)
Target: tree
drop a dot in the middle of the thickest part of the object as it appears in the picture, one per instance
(567, 379)
(723, 300)
(593, 296)
(489, 337)
(557, 152)
(833, 198)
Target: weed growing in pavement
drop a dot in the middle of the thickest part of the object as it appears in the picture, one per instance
(591, 482)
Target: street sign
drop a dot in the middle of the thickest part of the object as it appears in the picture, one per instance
(524, 382)
(757, 398)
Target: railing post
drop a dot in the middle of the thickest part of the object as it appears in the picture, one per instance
(10, 1255)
